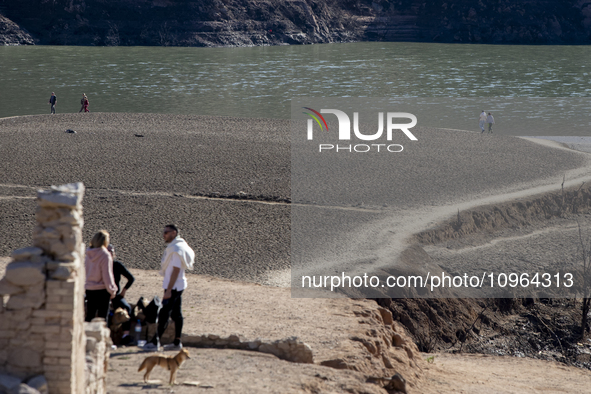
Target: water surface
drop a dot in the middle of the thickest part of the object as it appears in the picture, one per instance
(261, 81)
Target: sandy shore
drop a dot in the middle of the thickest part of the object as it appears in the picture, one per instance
(191, 170)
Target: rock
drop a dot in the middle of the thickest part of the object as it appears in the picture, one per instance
(192, 340)
(90, 344)
(39, 383)
(368, 343)
(234, 338)
(23, 389)
(290, 349)
(71, 256)
(73, 218)
(387, 362)
(337, 363)
(97, 329)
(40, 259)
(304, 354)
(44, 215)
(396, 383)
(50, 233)
(58, 249)
(7, 288)
(409, 351)
(25, 273)
(386, 316)
(25, 254)
(8, 382)
(253, 345)
(269, 348)
(69, 195)
(26, 358)
(61, 273)
(53, 265)
(397, 340)
(26, 300)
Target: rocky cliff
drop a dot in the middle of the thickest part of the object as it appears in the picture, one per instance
(276, 22)
(13, 34)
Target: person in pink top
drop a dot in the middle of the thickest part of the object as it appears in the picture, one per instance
(100, 282)
(85, 104)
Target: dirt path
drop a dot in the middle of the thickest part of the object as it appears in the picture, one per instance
(475, 373)
(223, 307)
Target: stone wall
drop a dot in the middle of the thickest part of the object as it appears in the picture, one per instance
(98, 343)
(42, 313)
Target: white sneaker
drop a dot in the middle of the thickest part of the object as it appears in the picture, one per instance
(172, 346)
(150, 347)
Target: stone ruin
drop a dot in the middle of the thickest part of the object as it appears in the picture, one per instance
(43, 343)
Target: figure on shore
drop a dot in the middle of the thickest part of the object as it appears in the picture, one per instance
(85, 104)
(100, 282)
(82, 102)
(119, 301)
(491, 121)
(482, 120)
(177, 258)
(53, 102)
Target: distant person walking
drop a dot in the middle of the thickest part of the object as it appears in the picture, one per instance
(85, 103)
(482, 120)
(82, 102)
(491, 121)
(53, 102)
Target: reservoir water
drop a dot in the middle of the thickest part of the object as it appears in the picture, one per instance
(261, 81)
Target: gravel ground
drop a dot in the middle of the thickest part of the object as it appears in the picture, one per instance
(442, 167)
(226, 181)
(546, 249)
(190, 170)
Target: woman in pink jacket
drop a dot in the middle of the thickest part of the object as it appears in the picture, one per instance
(100, 283)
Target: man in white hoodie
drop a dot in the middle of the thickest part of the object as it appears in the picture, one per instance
(177, 258)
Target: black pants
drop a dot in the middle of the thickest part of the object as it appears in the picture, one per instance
(171, 308)
(97, 304)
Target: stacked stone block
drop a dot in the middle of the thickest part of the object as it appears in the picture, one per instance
(98, 343)
(42, 322)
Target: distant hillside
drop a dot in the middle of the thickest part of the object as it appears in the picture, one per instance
(275, 22)
(12, 34)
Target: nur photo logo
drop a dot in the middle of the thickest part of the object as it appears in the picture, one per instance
(392, 124)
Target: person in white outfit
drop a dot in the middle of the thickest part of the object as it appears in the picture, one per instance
(482, 120)
(177, 258)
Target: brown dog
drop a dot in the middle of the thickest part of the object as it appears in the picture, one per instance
(120, 316)
(170, 363)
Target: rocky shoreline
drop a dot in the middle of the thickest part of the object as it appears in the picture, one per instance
(272, 22)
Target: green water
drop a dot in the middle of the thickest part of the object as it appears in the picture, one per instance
(261, 81)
